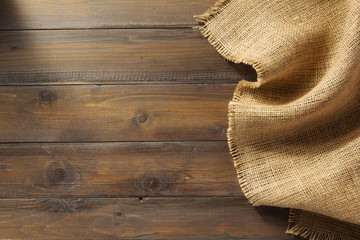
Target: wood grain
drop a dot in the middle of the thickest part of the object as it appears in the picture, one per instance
(48, 14)
(113, 57)
(148, 218)
(86, 113)
(117, 170)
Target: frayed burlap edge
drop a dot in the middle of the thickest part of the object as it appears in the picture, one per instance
(306, 224)
(204, 20)
(298, 229)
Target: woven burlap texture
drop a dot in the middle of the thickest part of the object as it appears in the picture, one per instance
(295, 133)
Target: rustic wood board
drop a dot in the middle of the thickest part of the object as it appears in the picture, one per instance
(117, 169)
(133, 218)
(84, 113)
(65, 14)
(113, 57)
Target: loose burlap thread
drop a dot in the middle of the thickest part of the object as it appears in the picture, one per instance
(294, 134)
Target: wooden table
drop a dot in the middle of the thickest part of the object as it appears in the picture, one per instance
(113, 118)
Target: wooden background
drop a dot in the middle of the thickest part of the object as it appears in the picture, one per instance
(113, 118)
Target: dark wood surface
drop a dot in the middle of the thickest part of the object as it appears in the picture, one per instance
(113, 56)
(113, 118)
(117, 169)
(88, 113)
(73, 14)
(134, 218)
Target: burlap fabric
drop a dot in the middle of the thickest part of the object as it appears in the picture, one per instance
(295, 133)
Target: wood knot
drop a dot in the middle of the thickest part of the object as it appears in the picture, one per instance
(159, 182)
(58, 175)
(61, 173)
(152, 182)
(47, 97)
(143, 117)
(140, 119)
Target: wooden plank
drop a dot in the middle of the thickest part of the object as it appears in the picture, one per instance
(84, 113)
(152, 218)
(117, 170)
(48, 14)
(113, 57)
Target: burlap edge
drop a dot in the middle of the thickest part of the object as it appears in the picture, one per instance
(204, 19)
(236, 155)
(296, 228)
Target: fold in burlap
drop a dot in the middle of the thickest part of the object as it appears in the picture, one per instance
(295, 133)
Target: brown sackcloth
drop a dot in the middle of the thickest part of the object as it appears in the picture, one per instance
(295, 133)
